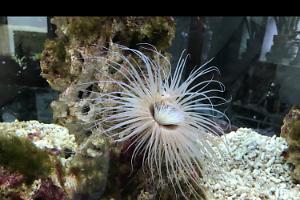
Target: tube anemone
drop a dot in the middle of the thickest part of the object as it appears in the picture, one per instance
(169, 121)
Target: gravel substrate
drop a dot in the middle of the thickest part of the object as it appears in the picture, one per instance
(49, 136)
(254, 169)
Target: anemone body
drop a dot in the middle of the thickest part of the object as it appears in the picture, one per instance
(167, 120)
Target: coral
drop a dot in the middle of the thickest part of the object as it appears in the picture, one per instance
(85, 30)
(55, 62)
(158, 31)
(88, 169)
(65, 61)
(46, 136)
(291, 131)
(80, 77)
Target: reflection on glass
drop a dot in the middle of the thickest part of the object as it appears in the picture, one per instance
(24, 94)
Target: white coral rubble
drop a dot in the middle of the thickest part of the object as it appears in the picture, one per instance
(50, 136)
(254, 169)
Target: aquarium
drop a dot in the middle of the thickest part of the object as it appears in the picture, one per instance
(148, 108)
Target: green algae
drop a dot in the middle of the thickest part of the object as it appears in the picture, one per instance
(20, 155)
